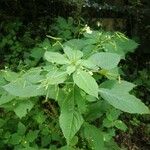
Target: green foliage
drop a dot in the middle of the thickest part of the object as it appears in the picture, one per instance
(65, 28)
(124, 101)
(93, 136)
(105, 60)
(86, 82)
(56, 104)
(15, 43)
(70, 119)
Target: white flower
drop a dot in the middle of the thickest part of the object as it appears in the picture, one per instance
(99, 24)
(90, 72)
(88, 30)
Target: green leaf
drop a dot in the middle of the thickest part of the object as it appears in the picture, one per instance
(90, 98)
(105, 60)
(2, 83)
(15, 139)
(39, 117)
(56, 93)
(113, 48)
(22, 108)
(111, 74)
(22, 88)
(74, 141)
(120, 45)
(33, 75)
(94, 136)
(70, 123)
(37, 52)
(2, 122)
(124, 101)
(70, 119)
(116, 85)
(80, 100)
(21, 128)
(120, 125)
(9, 75)
(5, 98)
(96, 110)
(113, 114)
(66, 148)
(107, 123)
(75, 44)
(71, 69)
(32, 135)
(128, 45)
(72, 54)
(55, 57)
(56, 77)
(45, 140)
(86, 82)
(2, 79)
(88, 64)
(27, 147)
